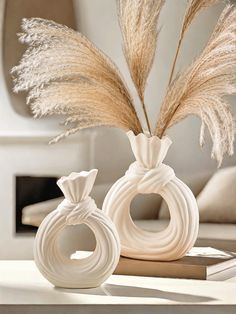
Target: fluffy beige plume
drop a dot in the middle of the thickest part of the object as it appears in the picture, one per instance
(201, 88)
(138, 22)
(68, 75)
(194, 7)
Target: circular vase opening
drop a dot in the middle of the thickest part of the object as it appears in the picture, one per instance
(77, 242)
(145, 210)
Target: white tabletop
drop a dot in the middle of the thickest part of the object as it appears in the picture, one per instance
(23, 288)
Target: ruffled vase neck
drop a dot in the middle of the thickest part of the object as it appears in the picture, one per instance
(77, 186)
(149, 151)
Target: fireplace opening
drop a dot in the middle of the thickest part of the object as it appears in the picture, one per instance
(31, 196)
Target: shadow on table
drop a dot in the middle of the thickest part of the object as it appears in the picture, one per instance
(139, 292)
(55, 294)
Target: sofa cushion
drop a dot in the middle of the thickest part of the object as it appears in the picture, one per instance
(217, 201)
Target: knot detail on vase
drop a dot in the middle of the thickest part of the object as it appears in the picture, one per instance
(77, 213)
(148, 180)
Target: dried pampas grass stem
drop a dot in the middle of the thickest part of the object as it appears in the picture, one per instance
(138, 22)
(193, 8)
(201, 88)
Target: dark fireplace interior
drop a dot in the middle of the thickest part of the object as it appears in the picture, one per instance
(30, 190)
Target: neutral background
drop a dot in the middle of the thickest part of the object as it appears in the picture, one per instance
(23, 141)
(97, 20)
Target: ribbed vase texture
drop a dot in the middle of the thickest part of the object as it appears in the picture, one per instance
(77, 208)
(148, 174)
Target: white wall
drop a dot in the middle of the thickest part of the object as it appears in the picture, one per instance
(23, 148)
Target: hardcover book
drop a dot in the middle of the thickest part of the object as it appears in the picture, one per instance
(203, 263)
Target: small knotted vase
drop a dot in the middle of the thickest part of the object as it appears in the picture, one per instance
(147, 175)
(77, 208)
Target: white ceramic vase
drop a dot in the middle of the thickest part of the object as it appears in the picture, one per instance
(146, 175)
(77, 208)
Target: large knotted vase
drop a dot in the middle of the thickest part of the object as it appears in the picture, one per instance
(77, 208)
(147, 175)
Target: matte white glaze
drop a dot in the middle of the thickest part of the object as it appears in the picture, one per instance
(149, 175)
(77, 208)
